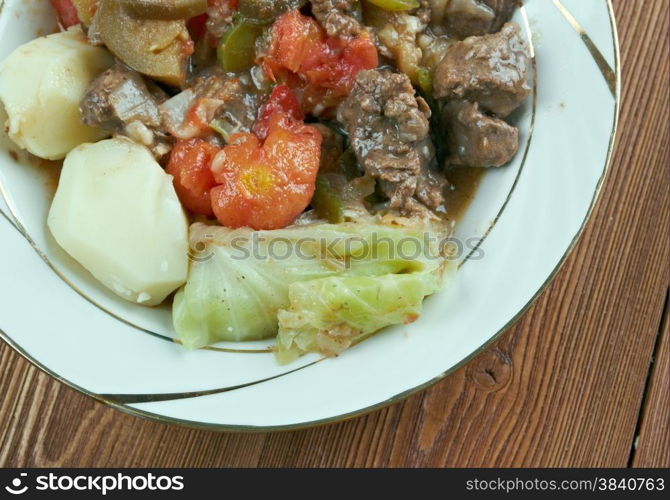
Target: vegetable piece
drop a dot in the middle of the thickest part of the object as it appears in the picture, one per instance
(424, 79)
(321, 69)
(199, 117)
(117, 214)
(165, 9)
(329, 315)
(223, 127)
(66, 12)
(327, 202)
(41, 85)
(399, 35)
(189, 164)
(396, 5)
(197, 26)
(85, 10)
(266, 184)
(239, 279)
(174, 113)
(157, 48)
(294, 39)
(281, 100)
(266, 11)
(237, 50)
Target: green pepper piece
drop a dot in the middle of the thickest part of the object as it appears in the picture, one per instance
(327, 202)
(396, 5)
(237, 50)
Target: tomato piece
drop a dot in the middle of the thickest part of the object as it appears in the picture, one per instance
(294, 39)
(189, 164)
(197, 26)
(281, 100)
(67, 14)
(267, 184)
(321, 69)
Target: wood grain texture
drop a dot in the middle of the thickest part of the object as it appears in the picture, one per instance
(652, 447)
(564, 387)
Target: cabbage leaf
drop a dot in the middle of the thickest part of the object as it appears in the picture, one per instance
(242, 283)
(331, 314)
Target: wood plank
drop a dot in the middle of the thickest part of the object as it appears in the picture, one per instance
(562, 387)
(653, 441)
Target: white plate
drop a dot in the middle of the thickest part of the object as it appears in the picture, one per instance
(530, 214)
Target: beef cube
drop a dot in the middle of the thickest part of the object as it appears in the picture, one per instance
(491, 70)
(118, 97)
(475, 139)
(388, 129)
(464, 18)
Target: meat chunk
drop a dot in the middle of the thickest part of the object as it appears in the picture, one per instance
(338, 17)
(219, 17)
(119, 96)
(475, 139)
(464, 18)
(211, 96)
(423, 12)
(491, 70)
(430, 186)
(120, 101)
(240, 100)
(388, 129)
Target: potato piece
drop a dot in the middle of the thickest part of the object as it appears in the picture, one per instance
(156, 48)
(116, 212)
(41, 84)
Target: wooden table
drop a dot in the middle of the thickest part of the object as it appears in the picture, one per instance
(582, 380)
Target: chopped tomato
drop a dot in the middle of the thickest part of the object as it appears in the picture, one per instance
(339, 74)
(197, 26)
(320, 68)
(189, 164)
(281, 100)
(266, 184)
(67, 14)
(294, 40)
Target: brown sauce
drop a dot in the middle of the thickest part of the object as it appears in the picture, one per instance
(464, 184)
(47, 172)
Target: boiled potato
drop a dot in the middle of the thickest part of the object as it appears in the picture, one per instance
(41, 84)
(116, 212)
